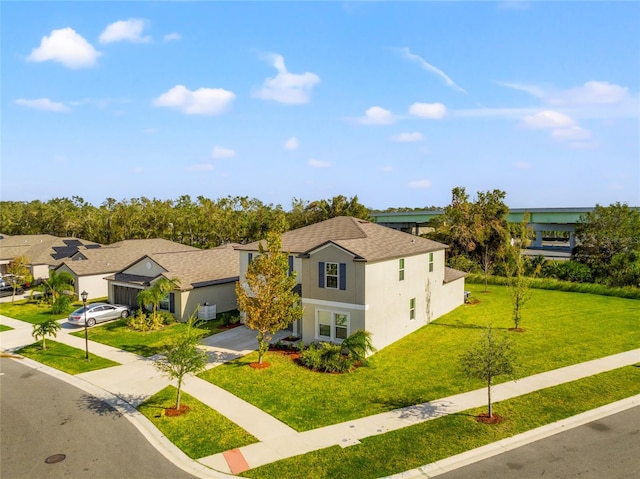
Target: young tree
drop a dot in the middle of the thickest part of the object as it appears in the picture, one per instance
(50, 327)
(19, 274)
(518, 283)
(266, 293)
(153, 295)
(182, 357)
(488, 359)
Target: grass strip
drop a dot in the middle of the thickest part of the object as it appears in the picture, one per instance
(4, 327)
(145, 343)
(434, 440)
(65, 358)
(200, 432)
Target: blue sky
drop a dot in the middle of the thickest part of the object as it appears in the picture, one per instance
(394, 102)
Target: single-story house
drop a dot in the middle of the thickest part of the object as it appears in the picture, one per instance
(44, 251)
(206, 277)
(89, 266)
(353, 274)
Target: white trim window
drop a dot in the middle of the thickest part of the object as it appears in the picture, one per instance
(401, 269)
(331, 275)
(430, 262)
(412, 308)
(332, 325)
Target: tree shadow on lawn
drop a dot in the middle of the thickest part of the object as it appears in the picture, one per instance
(461, 325)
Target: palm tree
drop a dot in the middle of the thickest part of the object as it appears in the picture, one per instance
(50, 327)
(156, 293)
(56, 284)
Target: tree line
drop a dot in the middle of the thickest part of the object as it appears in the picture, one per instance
(475, 229)
(200, 222)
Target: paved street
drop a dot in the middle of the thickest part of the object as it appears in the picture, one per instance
(607, 448)
(42, 416)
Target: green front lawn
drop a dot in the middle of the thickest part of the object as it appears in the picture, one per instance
(414, 446)
(561, 329)
(5, 328)
(200, 432)
(144, 343)
(32, 312)
(65, 358)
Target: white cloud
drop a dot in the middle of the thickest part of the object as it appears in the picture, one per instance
(407, 137)
(591, 93)
(406, 53)
(171, 37)
(200, 167)
(548, 119)
(319, 164)
(219, 153)
(125, 30)
(65, 46)
(292, 143)
(377, 116)
(290, 88)
(428, 110)
(420, 184)
(204, 101)
(43, 104)
(571, 133)
(533, 90)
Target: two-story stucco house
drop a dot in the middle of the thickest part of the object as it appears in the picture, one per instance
(353, 274)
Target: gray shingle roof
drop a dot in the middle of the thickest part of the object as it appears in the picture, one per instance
(451, 274)
(41, 249)
(201, 267)
(367, 241)
(117, 256)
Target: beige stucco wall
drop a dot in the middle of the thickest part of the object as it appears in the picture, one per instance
(95, 285)
(145, 267)
(40, 271)
(222, 295)
(354, 294)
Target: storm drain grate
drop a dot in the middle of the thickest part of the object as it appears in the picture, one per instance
(55, 458)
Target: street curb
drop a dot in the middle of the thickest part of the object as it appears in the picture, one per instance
(484, 452)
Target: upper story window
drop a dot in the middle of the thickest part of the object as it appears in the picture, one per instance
(332, 275)
(430, 262)
(401, 269)
(412, 308)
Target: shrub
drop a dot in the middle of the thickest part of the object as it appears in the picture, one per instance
(61, 304)
(327, 357)
(141, 321)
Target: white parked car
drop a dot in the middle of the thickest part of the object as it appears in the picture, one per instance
(98, 313)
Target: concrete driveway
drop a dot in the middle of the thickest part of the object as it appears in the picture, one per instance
(234, 343)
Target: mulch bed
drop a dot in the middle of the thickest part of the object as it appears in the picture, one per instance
(173, 412)
(264, 365)
(485, 419)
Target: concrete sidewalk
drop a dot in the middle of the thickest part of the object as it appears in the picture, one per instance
(127, 385)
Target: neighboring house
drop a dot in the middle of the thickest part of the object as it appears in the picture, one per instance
(44, 251)
(353, 274)
(89, 267)
(206, 277)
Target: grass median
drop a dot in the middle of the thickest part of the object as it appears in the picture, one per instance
(200, 432)
(65, 358)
